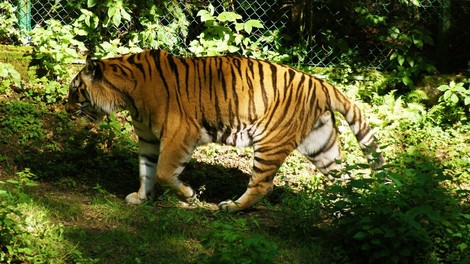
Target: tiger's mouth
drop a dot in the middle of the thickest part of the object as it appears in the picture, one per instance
(84, 110)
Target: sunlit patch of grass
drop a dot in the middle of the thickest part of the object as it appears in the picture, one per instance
(37, 238)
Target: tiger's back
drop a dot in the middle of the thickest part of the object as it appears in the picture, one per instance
(179, 103)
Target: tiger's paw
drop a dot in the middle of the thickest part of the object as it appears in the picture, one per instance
(134, 198)
(228, 206)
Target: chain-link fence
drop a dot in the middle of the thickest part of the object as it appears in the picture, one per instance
(316, 32)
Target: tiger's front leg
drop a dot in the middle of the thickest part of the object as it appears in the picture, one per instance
(173, 158)
(148, 159)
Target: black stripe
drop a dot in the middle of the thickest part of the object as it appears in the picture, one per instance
(257, 170)
(149, 164)
(221, 76)
(149, 141)
(175, 69)
(330, 143)
(149, 67)
(236, 112)
(158, 62)
(140, 67)
(187, 68)
(273, 69)
(326, 165)
(151, 158)
(211, 130)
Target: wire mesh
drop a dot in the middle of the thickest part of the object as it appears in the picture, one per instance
(332, 29)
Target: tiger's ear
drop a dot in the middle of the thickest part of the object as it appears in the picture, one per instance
(93, 69)
(90, 65)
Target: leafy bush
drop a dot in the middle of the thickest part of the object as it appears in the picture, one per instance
(9, 31)
(454, 103)
(55, 48)
(404, 38)
(100, 27)
(402, 214)
(155, 34)
(223, 33)
(231, 242)
(8, 76)
(43, 90)
(21, 120)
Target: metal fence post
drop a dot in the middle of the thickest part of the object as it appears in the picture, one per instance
(24, 14)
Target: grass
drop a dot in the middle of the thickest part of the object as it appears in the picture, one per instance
(76, 213)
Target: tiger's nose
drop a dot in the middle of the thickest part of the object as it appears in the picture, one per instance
(69, 108)
(72, 110)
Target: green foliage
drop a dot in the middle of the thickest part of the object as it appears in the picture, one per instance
(406, 58)
(9, 31)
(9, 77)
(116, 129)
(55, 48)
(405, 40)
(301, 209)
(43, 90)
(100, 25)
(21, 120)
(223, 33)
(25, 229)
(155, 34)
(454, 103)
(116, 11)
(12, 221)
(231, 242)
(397, 215)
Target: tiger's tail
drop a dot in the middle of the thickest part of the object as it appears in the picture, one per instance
(359, 126)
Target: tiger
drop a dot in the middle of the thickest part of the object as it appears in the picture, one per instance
(178, 103)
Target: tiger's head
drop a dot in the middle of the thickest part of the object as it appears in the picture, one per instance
(80, 101)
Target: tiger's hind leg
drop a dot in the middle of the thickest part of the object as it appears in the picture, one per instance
(148, 158)
(321, 146)
(266, 162)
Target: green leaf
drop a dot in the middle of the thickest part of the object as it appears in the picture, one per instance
(361, 183)
(418, 42)
(125, 15)
(401, 59)
(447, 95)
(4, 194)
(467, 100)
(254, 23)
(248, 28)
(443, 88)
(239, 26)
(91, 3)
(359, 235)
(205, 15)
(117, 19)
(407, 81)
(454, 98)
(112, 11)
(228, 16)
(462, 246)
(3, 73)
